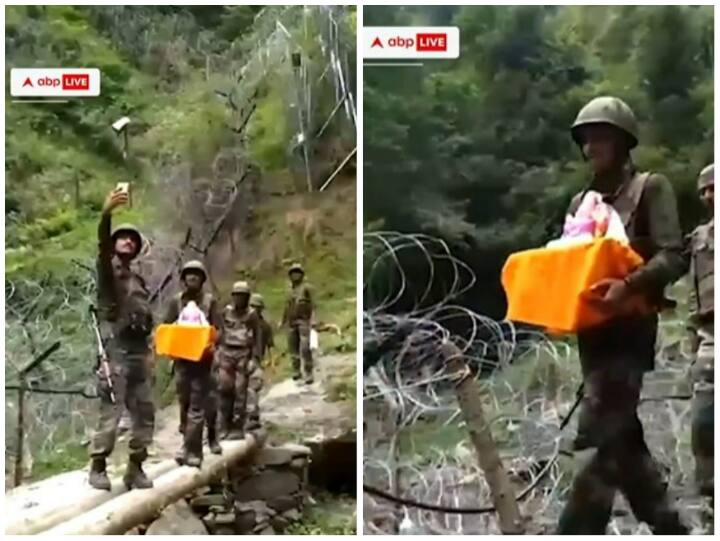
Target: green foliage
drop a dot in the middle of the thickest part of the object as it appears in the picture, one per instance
(68, 457)
(268, 130)
(478, 151)
(331, 516)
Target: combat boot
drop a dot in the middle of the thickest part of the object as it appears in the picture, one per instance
(213, 442)
(135, 476)
(224, 428)
(236, 433)
(193, 460)
(180, 456)
(98, 475)
(309, 379)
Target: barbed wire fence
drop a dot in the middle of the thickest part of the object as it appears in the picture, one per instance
(416, 445)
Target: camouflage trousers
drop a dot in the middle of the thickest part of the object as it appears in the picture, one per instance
(131, 384)
(299, 348)
(233, 364)
(703, 405)
(255, 385)
(195, 389)
(613, 369)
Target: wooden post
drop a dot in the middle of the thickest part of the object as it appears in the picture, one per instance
(468, 395)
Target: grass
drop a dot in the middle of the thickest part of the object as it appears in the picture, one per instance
(68, 457)
(332, 515)
(342, 387)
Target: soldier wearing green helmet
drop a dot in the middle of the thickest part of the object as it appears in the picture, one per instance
(701, 251)
(615, 355)
(195, 381)
(125, 321)
(256, 374)
(298, 317)
(239, 348)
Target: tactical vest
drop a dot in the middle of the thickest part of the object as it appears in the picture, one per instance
(236, 331)
(702, 269)
(129, 310)
(299, 303)
(205, 304)
(627, 205)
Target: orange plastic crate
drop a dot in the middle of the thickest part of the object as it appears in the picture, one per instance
(549, 287)
(185, 342)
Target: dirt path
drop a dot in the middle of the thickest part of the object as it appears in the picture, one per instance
(309, 411)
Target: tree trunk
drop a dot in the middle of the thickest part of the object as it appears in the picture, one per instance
(141, 506)
(469, 398)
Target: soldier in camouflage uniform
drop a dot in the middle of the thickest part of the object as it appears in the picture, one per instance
(256, 374)
(195, 380)
(239, 347)
(615, 355)
(298, 317)
(702, 305)
(126, 324)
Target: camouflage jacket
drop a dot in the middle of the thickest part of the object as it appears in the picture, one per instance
(123, 297)
(647, 206)
(241, 330)
(299, 305)
(700, 261)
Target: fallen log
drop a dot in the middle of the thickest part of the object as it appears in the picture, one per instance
(122, 513)
(39, 506)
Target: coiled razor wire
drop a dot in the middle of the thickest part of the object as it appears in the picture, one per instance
(412, 287)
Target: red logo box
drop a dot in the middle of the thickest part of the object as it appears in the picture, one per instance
(432, 42)
(75, 81)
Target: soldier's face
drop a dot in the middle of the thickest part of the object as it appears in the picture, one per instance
(193, 281)
(125, 245)
(600, 146)
(707, 196)
(296, 277)
(241, 300)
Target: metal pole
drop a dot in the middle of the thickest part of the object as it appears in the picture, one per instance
(20, 433)
(126, 153)
(339, 168)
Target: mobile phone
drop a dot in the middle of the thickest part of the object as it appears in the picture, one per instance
(123, 187)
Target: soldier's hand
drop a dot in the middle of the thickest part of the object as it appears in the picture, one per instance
(609, 293)
(115, 199)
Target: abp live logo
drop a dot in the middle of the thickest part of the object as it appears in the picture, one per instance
(54, 82)
(411, 42)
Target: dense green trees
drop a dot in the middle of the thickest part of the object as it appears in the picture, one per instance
(478, 150)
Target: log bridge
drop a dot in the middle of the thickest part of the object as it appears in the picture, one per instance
(67, 505)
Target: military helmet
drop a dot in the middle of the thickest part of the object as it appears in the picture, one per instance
(193, 266)
(257, 301)
(296, 267)
(128, 229)
(240, 287)
(707, 177)
(607, 110)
